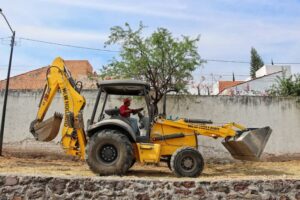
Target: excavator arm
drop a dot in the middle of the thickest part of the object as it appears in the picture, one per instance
(73, 136)
(241, 142)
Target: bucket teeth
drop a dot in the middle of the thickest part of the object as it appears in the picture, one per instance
(58, 115)
(48, 129)
(248, 145)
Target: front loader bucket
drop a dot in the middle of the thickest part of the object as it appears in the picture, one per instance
(249, 145)
(48, 129)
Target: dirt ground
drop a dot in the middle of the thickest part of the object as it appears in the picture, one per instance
(10, 164)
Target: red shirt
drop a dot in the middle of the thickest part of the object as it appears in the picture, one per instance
(124, 108)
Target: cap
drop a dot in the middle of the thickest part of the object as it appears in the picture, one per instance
(126, 100)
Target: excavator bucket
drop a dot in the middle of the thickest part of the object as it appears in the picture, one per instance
(48, 129)
(248, 145)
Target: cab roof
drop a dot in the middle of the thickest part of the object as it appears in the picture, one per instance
(124, 87)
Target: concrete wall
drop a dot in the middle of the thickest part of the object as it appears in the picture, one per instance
(27, 187)
(282, 114)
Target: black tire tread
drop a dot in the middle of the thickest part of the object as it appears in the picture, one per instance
(115, 134)
(175, 154)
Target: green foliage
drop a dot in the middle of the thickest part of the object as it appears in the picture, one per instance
(256, 62)
(160, 59)
(286, 86)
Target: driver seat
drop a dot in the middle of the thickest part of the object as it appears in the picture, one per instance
(115, 113)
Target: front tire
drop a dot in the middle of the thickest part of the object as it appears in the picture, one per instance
(109, 152)
(187, 162)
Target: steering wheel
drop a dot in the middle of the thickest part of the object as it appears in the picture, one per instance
(140, 115)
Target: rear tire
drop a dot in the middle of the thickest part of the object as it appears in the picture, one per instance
(187, 162)
(109, 152)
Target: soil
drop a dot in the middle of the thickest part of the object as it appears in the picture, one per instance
(64, 166)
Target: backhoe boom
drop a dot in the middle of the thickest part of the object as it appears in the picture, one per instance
(73, 136)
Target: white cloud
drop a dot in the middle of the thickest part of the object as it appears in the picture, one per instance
(228, 28)
(166, 9)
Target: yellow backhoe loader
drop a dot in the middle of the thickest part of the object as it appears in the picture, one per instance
(111, 146)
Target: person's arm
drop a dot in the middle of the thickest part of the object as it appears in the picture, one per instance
(124, 111)
(134, 111)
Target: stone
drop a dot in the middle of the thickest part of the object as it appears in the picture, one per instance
(76, 195)
(159, 194)
(199, 191)
(240, 186)
(110, 184)
(251, 196)
(7, 190)
(57, 186)
(87, 195)
(297, 196)
(1, 180)
(25, 180)
(101, 197)
(233, 196)
(90, 186)
(36, 194)
(177, 184)
(17, 198)
(182, 191)
(120, 185)
(281, 186)
(138, 187)
(10, 181)
(73, 186)
(283, 197)
(188, 184)
(267, 186)
(107, 192)
(43, 180)
(143, 196)
(3, 197)
(272, 198)
(220, 188)
(254, 192)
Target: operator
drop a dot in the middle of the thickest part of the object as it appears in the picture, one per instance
(125, 112)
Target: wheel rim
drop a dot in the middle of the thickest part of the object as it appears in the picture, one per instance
(187, 163)
(108, 153)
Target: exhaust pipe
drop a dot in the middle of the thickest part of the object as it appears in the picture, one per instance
(249, 144)
(48, 129)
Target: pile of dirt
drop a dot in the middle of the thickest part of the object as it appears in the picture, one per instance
(65, 166)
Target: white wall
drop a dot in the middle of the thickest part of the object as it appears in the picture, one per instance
(282, 114)
(255, 87)
(269, 69)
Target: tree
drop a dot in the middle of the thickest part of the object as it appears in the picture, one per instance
(286, 86)
(160, 59)
(256, 62)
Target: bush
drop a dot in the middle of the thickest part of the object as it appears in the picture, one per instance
(286, 86)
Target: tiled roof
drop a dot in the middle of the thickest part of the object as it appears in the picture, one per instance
(35, 79)
(227, 84)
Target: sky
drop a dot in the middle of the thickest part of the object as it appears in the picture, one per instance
(228, 30)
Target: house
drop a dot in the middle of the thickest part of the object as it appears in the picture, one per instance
(81, 70)
(266, 77)
(220, 86)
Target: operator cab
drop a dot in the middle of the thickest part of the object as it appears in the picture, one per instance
(109, 100)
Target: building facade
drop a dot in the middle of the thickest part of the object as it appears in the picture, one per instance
(81, 70)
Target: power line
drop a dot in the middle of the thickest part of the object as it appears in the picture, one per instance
(247, 62)
(68, 45)
(1, 38)
(117, 51)
(227, 61)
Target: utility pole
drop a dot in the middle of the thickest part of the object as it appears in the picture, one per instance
(12, 44)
